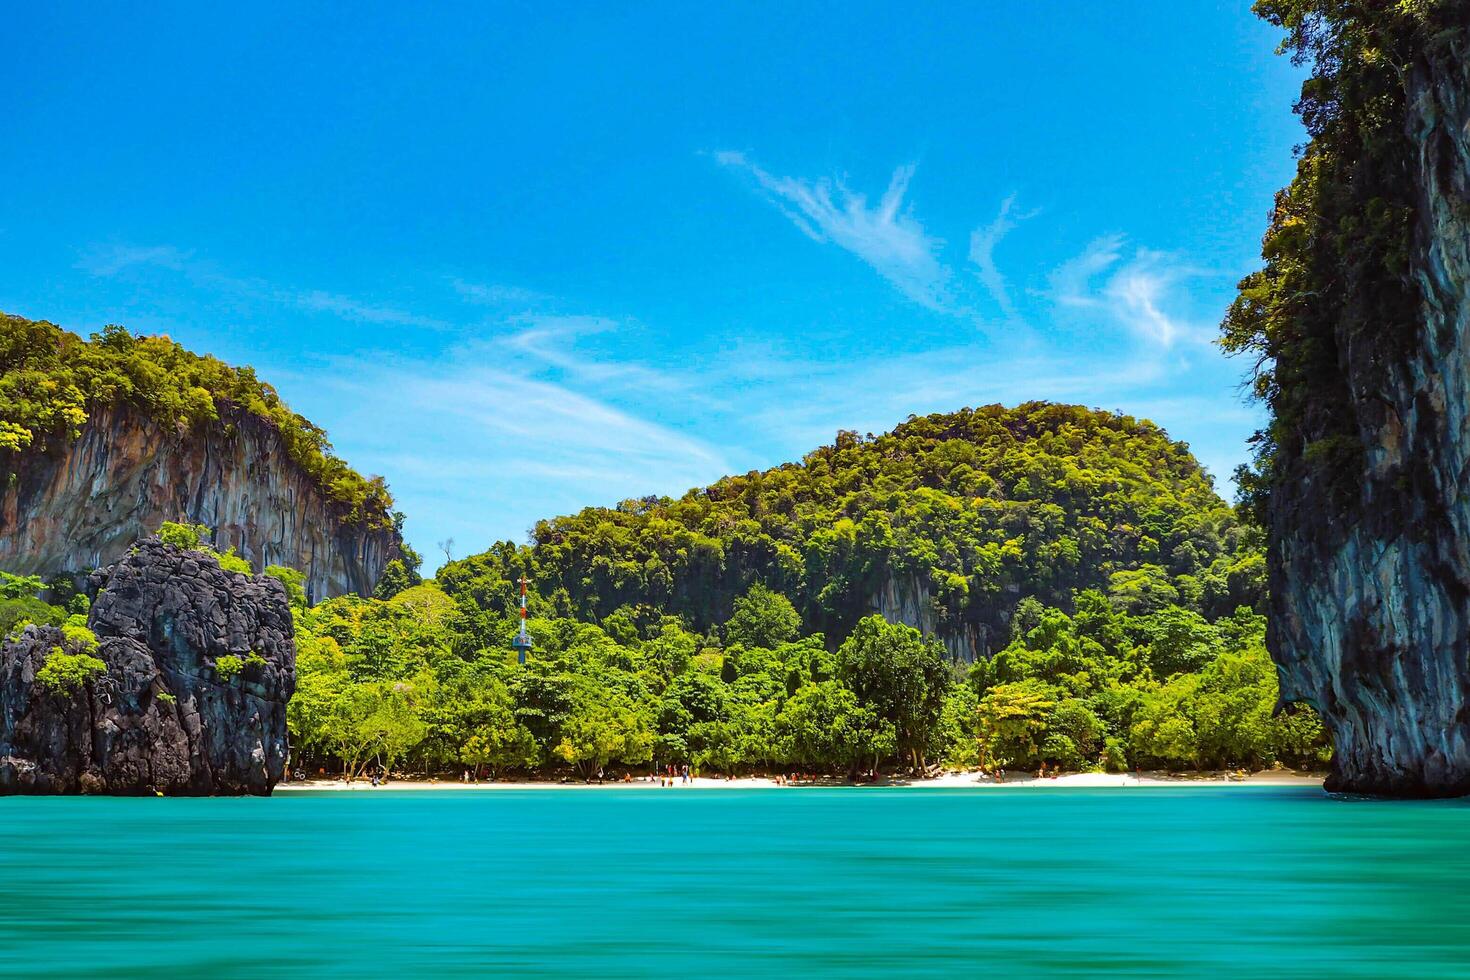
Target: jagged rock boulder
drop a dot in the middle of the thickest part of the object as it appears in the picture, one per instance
(166, 715)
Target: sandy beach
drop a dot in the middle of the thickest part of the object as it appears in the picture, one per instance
(951, 780)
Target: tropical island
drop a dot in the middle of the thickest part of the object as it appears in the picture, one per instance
(1041, 587)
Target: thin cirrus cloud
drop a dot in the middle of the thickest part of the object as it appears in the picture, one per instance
(983, 241)
(885, 235)
(107, 261)
(1134, 291)
(478, 445)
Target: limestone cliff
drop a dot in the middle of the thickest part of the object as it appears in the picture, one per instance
(1369, 505)
(907, 599)
(169, 713)
(82, 503)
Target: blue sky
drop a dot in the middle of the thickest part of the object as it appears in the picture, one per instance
(521, 260)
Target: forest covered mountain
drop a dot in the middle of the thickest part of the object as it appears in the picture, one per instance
(735, 628)
(946, 524)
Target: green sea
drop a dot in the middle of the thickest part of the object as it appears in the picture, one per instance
(1229, 881)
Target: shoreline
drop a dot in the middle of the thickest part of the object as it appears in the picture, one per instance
(956, 780)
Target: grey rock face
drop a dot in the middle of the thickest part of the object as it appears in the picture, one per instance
(1371, 614)
(162, 717)
(908, 600)
(83, 506)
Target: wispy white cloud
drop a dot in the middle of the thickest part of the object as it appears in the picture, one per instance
(474, 440)
(111, 260)
(558, 341)
(1071, 282)
(317, 300)
(885, 235)
(1137, 292)
(496, 294)
(982, 252)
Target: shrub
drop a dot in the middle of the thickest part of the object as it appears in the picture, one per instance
(191, 536)
(65, 673)
(232, 562)
(294, 583)
(228, 666)
(78, 636)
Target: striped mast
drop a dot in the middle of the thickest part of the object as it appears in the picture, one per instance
(523, 642)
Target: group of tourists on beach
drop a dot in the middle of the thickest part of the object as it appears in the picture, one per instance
(671, 774)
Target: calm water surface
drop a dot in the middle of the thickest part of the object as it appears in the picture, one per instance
(1245, 881)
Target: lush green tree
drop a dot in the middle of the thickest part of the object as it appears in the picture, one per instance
(395, 578)
(15, 614)
(762, 618)
(292, 581)
(599, 730)
(899, 674)
(1177, 640)
(1012, 722)
(489, 734)
(19, 586)
(825, 726)
(957, 736)
(1142, 590)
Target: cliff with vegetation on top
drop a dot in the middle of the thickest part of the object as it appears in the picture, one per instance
(1360, 321)
(103, 440)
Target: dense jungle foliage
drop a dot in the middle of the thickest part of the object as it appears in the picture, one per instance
(981, 508)
(411, 680)
(732, 629)
(1337, 252)
(52, 381)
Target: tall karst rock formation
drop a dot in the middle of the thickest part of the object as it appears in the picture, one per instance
(109, 451)
(1361, 319)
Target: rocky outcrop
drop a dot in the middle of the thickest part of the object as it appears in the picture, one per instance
(1371, 602)
(83, 505)
(166, 715)
(907, 599)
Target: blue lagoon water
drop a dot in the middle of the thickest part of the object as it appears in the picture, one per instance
(1242, 881)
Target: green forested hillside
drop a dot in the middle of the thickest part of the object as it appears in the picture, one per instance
(985, 506)
(52, 381)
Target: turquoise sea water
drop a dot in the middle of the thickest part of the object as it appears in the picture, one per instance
(1244, 881)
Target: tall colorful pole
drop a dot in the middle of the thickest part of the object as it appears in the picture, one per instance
(523, 642)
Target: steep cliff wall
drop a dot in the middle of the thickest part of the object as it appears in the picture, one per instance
(164, 715)
(907, 599)
(82, 504)
(1370, 551)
